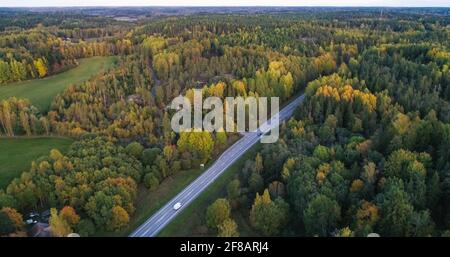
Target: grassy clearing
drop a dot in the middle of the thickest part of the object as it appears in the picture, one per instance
(16, 154)
(42, 91)
(191, 221)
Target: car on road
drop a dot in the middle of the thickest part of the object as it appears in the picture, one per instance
(177, 206)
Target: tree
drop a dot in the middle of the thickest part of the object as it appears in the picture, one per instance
(421, 224)
(14, 216)
(395, 210)
(163, 64)
(287, 168)
(276, 189)
(119, 218)
(255, 182)
(366, 218)
(168, 152)
(322, 153)
(433, 191)
(18, 70)
(217, 213)
(228, 229)
(288, 85)
(321, 216)
(267, 216)
(7, 200)
(68, 214)
(135, 149)
(59, 227)
(5, 72)
(234, 189)
(149, 155)
(99, 208)
(370, 172)
(55, 154)
(86, 227)
(153, 45)
(302, 188)
(40, 67)
(344, 232)
(258, 164)
(197, 142)
(6, 224)
(408, 167)
(151, 181)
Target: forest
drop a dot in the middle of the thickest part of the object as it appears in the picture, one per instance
(368, 151)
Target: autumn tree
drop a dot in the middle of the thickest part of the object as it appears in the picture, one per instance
(119, 218)
(366, 218)
(228, 228)
(40, 67)
(200, 143)
(258, 163)
(59, 226)
(68, 214)
(217, 213)
(14, 216)
(268, 216)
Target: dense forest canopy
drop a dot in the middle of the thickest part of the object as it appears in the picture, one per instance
(367, 151)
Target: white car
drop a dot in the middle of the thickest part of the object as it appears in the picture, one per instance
(177, 206)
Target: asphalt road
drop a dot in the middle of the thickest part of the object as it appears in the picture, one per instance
(163, 216)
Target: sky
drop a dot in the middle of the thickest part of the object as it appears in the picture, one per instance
(400, 3)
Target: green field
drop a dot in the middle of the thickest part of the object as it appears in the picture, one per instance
(16, 154)
(41, 91)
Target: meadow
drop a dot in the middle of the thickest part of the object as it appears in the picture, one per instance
(42, 91)
(18, 153)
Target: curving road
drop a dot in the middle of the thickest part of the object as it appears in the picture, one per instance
(163, 216)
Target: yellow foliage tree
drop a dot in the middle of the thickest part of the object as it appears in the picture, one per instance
(40, 66)
(228, 229)
(59, 227)
(119, 219)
